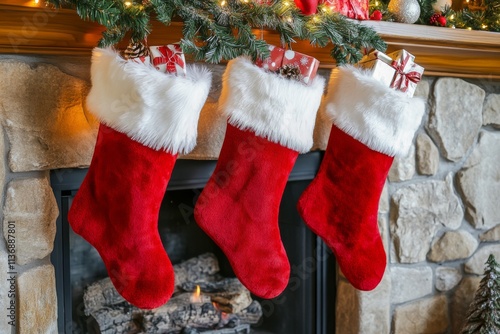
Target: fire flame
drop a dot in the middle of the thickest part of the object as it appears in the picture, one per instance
(196, 297)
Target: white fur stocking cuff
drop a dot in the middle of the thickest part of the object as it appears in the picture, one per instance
(156, 109)
(378, 116)
(278, 109)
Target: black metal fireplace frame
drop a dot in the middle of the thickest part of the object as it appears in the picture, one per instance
(318, 294)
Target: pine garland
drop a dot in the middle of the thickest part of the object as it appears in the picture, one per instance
(487, 17)
(484, 313)
(215, 30)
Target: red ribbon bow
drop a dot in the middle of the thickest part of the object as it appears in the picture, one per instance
(169, 57)
(401, 80)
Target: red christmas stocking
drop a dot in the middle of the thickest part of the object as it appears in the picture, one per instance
(371, 124)
(270, 120)
(147, 118)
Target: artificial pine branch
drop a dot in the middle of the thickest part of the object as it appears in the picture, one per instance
(222, 29)
(426, 11)
(483, 316)
(486, 19)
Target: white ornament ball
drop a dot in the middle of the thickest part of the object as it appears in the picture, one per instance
(405, 11)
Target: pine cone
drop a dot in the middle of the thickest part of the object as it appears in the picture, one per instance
(290, 72)
(135, 50)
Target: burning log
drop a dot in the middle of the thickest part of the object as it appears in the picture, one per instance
(223, 302)
(229, 294)
(198, 269)
(241, 329)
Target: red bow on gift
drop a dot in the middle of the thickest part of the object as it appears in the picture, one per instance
(169, 57)
(402, 78)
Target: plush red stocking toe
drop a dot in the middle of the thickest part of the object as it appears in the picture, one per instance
(270, 120)
(147, 118)
(371, 124)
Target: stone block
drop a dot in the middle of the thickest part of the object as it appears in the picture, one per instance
(452, 98)
(5, 287)
(403, 168)
(460, 301)
(383, 204)
(423, 89)
(491, 110)
(421, 210)
(491, 235)
(479, 182)
(384, 232)
(453, 245)
(37, 310)
(476, 264)
(211, 132)
(429, 316)
(2, 165)
(410, 283)
(363, 312)
(31, 206)
(44, 117)
(447, 278)
(427, 155)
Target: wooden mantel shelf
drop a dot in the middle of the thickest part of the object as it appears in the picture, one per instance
(26, 29)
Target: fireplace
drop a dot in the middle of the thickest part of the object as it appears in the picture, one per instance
(427, 286)
(306, 306)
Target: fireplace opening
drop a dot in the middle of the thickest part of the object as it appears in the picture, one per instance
(305, 307)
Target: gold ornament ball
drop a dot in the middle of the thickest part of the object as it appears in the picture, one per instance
(405, 11)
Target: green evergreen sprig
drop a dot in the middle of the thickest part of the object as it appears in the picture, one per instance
(426, 11)
(214, 30)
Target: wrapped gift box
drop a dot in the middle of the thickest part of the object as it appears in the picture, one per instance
(354, 9)
(273, 62)
(380, 66)
(408, 73)
(397, 70)
(281, 60)
(168, 59)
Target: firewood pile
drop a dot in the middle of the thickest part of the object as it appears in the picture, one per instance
(203, 302)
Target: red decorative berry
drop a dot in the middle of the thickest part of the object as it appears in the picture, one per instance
(442, 21)
(437, 20)
(376, 15)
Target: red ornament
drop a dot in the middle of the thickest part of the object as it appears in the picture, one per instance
(442, 21)
(307, 7)
(376, 15)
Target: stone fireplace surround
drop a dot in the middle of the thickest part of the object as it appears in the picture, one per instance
(438, 214)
